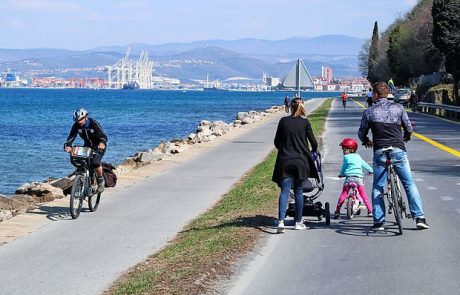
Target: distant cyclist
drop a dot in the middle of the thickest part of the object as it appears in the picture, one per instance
(93, 136)
(391, 86)
(369, 99)
(344, 97)
(385, 120)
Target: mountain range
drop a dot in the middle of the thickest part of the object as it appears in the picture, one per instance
(187, 61)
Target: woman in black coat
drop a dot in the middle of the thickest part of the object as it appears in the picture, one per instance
(294, 162)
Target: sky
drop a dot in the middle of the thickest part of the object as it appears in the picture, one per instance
(86, 24)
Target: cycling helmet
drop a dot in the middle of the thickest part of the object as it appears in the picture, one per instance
(79, 114)
(349, 143)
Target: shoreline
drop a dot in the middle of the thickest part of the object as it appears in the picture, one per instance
(38, 213)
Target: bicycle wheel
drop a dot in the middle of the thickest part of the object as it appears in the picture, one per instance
(77, 195)
(93, 202)
(395, 201)
(350, 202)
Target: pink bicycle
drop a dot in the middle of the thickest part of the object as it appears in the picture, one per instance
(354, 200)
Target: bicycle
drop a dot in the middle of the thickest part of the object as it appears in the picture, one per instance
(393, 194)
(85, 183)
(353, 201)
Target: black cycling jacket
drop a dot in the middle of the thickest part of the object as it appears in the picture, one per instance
(91, 135)
(385, 119)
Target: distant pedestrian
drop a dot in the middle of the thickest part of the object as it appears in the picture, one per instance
(294, 161)
(370, 100)
(344, 97)
(391, 86)
(287, 105)
(413, 101)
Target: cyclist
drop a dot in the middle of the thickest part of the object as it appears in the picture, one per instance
(93, 136)
(385, 120)
(352, 170)
(391, 86)
(344, 97)
(369, 99)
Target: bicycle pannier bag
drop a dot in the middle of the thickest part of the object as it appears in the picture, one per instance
(110, 177)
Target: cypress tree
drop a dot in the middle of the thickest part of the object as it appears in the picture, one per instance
(373, 54)
(446, 36)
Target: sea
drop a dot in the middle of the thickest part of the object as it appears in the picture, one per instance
(34, 123)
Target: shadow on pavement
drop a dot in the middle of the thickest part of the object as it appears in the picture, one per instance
(363, 228)
(56, 213)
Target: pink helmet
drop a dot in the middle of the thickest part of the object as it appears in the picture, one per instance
(349, 143)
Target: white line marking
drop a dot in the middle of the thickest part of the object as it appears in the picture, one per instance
(431, 188)
(446, 198)
(333, 178)
(418, 179)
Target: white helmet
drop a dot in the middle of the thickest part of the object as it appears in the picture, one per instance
(80, 114)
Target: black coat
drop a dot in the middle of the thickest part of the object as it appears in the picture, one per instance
(91, 135)
(294, 156)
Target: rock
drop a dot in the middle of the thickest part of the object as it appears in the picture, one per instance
(128, 165)
(204, 132)
(219, 128)
(191, 136)
(247, 120)
(63, 182)
(14, 205)
(147, 157)
(43, 192)
(205, 123)
(242, 115)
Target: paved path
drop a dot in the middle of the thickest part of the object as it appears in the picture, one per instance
(84, 256)
(347, 258)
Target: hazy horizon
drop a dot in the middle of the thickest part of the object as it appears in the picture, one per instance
(85, 24)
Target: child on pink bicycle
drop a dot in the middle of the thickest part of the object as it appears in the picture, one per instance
(352, 170)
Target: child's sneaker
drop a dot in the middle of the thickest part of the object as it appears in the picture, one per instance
(300, 226)
(369, 214)
(280, 228)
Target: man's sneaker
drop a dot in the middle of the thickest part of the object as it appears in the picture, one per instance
(100, 184)
(378, 226)
(280, 228)
(421, 223)
(336, 215)
(300, 226)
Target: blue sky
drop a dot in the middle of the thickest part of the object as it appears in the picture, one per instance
(84, 24)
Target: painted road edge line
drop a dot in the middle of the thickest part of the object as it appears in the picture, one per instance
(426, 139)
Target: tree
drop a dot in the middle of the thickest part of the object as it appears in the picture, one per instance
(446, 36)
(373, 55)
(363, 58)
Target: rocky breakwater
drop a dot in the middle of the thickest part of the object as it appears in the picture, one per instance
(30, 195)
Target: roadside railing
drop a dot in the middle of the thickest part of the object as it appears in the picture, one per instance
(442, 110)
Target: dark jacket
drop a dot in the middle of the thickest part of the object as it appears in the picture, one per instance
(92, 135)
(385, 119)
(294, 157)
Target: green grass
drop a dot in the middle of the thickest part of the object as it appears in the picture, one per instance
(209, 246)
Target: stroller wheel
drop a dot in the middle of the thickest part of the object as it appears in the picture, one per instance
(327, 213)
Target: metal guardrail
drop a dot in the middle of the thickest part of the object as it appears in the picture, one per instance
(442, 110)
(439, 106)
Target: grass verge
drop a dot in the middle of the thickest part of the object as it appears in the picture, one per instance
(208, 247)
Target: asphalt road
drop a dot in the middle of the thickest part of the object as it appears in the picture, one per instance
(84, 256)
(349, 258)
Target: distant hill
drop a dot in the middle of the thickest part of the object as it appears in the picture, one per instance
(185, 61)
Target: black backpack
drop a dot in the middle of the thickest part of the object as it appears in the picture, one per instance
(110, 177)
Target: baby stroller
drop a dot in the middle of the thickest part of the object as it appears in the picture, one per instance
(312, 189)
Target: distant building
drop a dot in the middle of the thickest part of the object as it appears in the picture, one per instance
(326, 74)
(273, 81)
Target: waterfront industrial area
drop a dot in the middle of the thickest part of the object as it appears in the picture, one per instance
(138, 73)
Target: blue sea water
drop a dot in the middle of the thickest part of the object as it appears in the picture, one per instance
(34, 123)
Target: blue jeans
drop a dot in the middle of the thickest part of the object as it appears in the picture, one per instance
(285, 186)
(402, 169)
